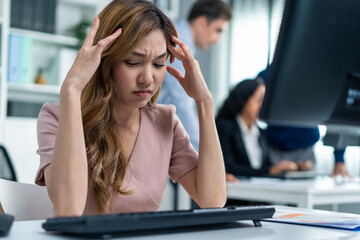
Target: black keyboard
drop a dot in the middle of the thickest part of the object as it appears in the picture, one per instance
(109, 224)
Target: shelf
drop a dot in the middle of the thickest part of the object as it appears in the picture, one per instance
(46, 37)
(33, 92)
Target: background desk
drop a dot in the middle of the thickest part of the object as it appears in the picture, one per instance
(243, 230)
(302, 193)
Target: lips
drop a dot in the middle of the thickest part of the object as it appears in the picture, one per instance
(143, 93)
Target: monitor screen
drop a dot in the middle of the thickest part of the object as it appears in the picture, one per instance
(315, 74)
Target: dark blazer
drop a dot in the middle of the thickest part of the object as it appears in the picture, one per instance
(235, 156)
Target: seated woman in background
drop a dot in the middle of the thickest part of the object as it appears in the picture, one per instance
(243, 143)
(107, 147)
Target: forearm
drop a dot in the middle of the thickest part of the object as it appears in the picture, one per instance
(67, 175)
(210, 174)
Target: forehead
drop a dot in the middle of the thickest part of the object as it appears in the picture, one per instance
(153, 44)
(219, 23)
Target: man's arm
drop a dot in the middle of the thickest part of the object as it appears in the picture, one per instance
(339, 166)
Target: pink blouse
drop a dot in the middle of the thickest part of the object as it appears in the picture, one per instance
(162, 149)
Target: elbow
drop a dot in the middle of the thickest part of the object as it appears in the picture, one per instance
(67, 202)
(66, 207)
(220, 202)
(67, 211)
(213, 204)
(216, 202)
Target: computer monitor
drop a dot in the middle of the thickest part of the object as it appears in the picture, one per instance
(315, 74)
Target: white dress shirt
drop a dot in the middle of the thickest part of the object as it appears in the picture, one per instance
(251, 141)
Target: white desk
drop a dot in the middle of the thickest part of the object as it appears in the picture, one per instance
(302, 193)
(244, 230)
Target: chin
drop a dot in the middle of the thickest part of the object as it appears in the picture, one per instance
(205, 47)
(142, 103)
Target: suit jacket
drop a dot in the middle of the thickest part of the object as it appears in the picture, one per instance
(235, 155)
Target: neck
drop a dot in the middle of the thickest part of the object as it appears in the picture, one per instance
(246, 120)
(127, 117)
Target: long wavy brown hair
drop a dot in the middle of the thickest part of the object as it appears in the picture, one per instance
(106, 161)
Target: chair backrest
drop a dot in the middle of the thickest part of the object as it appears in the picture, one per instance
(25, 201)
(7, 170)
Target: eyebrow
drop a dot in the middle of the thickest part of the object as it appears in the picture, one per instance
(144, 55)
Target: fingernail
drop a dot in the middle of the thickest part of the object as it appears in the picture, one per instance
(96, 19)
(117, 32)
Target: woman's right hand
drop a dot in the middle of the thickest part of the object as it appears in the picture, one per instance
(305, 165)
(88, 57)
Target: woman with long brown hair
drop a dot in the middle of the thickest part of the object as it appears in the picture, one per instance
(107, 147)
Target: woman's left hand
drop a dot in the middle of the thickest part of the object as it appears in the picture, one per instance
(193, 82)
(231, 178)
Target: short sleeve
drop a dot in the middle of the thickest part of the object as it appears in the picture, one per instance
(184, 158)
(47, 125)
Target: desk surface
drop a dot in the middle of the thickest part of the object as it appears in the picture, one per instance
(321, 184)
(303, 193)
(242, 230)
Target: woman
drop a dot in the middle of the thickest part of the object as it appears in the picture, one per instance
(107, 147)
(242, 142)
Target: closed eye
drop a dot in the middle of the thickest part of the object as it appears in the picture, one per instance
(159, 65)
(131, 63)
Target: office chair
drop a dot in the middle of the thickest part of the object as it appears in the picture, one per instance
(25, 201)
(7, 170)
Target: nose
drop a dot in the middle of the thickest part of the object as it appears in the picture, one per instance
(146, 76)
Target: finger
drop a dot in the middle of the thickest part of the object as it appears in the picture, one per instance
(105, 43)
(292, 166)
(236, 180)
(233, 178)
(187, 52)
(172, 58)
(175, 73)
(89, 39)
(177, 52)
(334, 174)
(112, 38)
